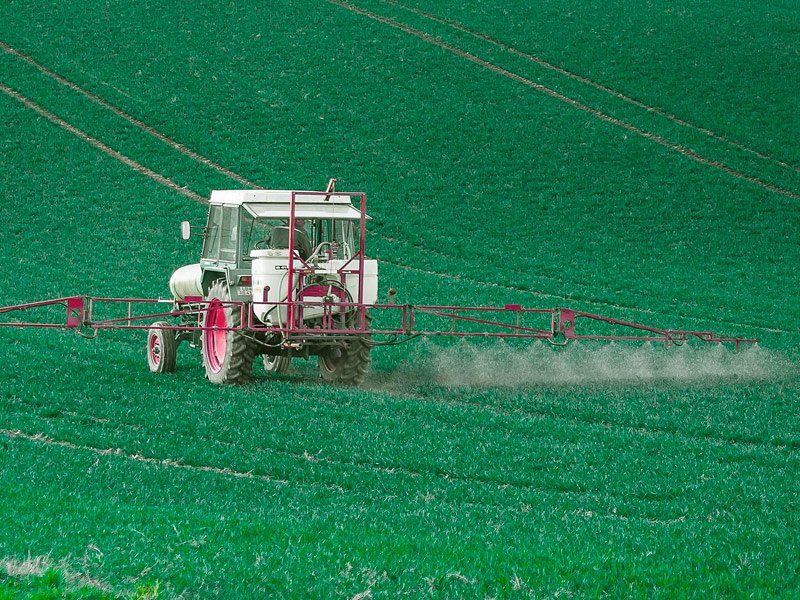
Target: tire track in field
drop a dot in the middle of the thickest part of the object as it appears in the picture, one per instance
(139, 168)
(185, 191)
(432, 474)
(770, 449)
(769, 446)
(41, 438)
(592, 83)
(130, 119)
(558, 490)
(570, 490)
(765, 445)
(653, 137)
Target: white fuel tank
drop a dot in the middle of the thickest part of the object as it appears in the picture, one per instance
(186, 281)
(270, 270)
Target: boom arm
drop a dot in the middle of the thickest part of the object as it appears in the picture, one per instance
(554, 325)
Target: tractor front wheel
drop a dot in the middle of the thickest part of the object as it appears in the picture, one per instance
(162, 348)
(227, 355)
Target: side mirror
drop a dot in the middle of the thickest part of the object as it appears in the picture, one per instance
(186, 230)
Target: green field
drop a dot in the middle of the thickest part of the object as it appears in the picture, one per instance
(633, 159)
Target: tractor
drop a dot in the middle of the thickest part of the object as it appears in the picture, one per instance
(290, 262)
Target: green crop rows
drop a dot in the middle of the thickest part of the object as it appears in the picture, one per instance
(636, 160)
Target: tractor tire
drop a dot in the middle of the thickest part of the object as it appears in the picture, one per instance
(162, 348)
(227, 355)
(277, 363)
(347, 365)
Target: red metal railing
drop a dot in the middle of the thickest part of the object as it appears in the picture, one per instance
(510, 321)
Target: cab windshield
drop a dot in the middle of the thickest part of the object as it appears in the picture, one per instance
(338, 235)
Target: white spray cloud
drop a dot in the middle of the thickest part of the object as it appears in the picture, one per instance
(500, 364)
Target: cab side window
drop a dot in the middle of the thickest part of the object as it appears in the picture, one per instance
(222, 233)
(228, 234)
(211, 245)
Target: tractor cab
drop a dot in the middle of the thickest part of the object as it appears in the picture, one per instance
(275, 248)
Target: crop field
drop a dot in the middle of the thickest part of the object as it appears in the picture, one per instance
(638, 160)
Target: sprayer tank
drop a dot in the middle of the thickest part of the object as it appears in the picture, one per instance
(186, 281)
(270, 275)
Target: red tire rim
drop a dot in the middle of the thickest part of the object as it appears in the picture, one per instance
(154, 349)
(216, 337)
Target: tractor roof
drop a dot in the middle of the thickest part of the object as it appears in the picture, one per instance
(275, 203)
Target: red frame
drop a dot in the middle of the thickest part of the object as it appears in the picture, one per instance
(80, 311)
(291, 304)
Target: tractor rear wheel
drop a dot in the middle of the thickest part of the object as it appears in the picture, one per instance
(347, 364)
(162, 348)
(277, 363)
(227, 355)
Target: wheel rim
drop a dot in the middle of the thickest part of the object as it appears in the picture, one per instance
(154, 348)
(329, 361)
(216, 336)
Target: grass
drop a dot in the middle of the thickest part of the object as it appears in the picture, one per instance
(37, 579)
(459, 470)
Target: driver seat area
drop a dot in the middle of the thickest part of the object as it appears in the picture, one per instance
(279, 238)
